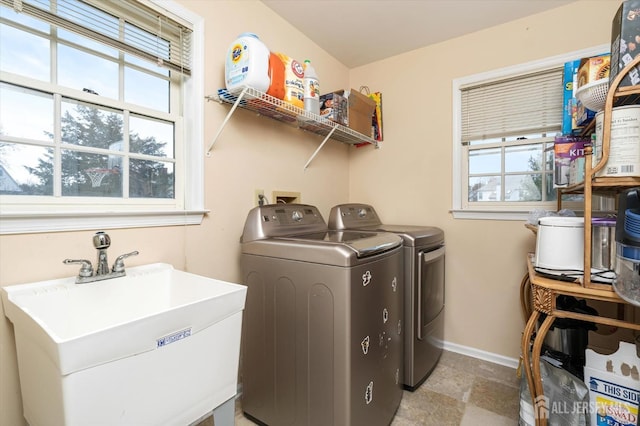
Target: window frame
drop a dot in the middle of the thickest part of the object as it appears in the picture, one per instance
(91, 214)
(460, 176)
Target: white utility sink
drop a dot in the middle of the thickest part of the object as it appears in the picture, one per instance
(157, 346)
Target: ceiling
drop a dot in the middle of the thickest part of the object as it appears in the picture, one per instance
(358, 32)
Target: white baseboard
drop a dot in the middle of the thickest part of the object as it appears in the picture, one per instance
(480, 354)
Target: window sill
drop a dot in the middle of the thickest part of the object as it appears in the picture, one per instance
(490, 215)
(33, 223)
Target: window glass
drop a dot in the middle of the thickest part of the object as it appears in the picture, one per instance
(25, 169)
(84, 126)
(523, 187)
(151, 179)
(91, 126)
(151, 137)
(25, 113)
(484, 161)
(88, 175)
(21, 18)
(523, 158)
(81, 70)
(144, 89)
(485, 188)
(24, 53)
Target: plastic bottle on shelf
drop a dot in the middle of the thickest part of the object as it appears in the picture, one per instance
(247, 64)
(311, 89)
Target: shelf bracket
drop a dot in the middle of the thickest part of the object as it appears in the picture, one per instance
(226, 120)
(333, 129)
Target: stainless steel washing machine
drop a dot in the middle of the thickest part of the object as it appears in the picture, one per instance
(423, 277)
(323, 323)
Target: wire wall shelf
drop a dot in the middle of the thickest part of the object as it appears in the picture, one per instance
(276, 109)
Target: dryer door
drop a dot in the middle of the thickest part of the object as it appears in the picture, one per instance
(430, 282)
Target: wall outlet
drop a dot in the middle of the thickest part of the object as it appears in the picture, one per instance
(256, 196)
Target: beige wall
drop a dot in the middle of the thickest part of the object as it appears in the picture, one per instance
(485, 259)
(252, 152)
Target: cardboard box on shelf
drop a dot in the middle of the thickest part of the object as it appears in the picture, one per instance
(593, 69)
(625, 41)
(335, 107)
(568, 98)
(614, 386)
(361, 110)
(567, 150)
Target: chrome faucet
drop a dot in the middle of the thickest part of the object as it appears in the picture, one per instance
(101, 241)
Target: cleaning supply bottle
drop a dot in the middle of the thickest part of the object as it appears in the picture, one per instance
(247, 64)
(311, 89)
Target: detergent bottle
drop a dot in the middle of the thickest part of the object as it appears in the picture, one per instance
(247, 64)
(311, 89)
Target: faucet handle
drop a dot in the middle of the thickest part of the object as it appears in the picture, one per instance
(118, 265)
(86, 270)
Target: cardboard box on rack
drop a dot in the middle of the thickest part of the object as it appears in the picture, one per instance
(567, 150)
(593, 69)
(568, 98)
(625, 32)
(361, 109)
(335, 107)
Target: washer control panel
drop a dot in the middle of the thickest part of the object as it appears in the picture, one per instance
(282, 219)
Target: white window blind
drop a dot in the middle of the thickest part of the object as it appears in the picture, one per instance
(521, 105)
(140, 31)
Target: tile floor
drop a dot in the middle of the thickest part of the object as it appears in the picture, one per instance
(461, 391)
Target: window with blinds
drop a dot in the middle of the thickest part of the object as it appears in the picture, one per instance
(506, 137)
(91, 106)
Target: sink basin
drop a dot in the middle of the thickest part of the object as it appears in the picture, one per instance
(157, 346)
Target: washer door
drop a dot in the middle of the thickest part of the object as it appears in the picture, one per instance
(430, 282)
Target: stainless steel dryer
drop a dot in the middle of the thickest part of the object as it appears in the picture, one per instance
(423, 277)
(322, 328)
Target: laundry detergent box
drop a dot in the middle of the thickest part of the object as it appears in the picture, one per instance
(614, 386)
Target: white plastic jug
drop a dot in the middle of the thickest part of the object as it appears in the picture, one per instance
(247, 64)
(311, 89)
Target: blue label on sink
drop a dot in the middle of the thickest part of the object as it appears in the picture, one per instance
(173, 337)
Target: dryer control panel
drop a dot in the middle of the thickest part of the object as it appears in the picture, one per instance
(349, 216)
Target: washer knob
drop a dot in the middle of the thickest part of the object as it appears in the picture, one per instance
(362, 212)
(296, 215)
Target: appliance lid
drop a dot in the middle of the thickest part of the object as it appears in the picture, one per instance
(364, 217)
(362, 243)
(327, 248)
(298, 232)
